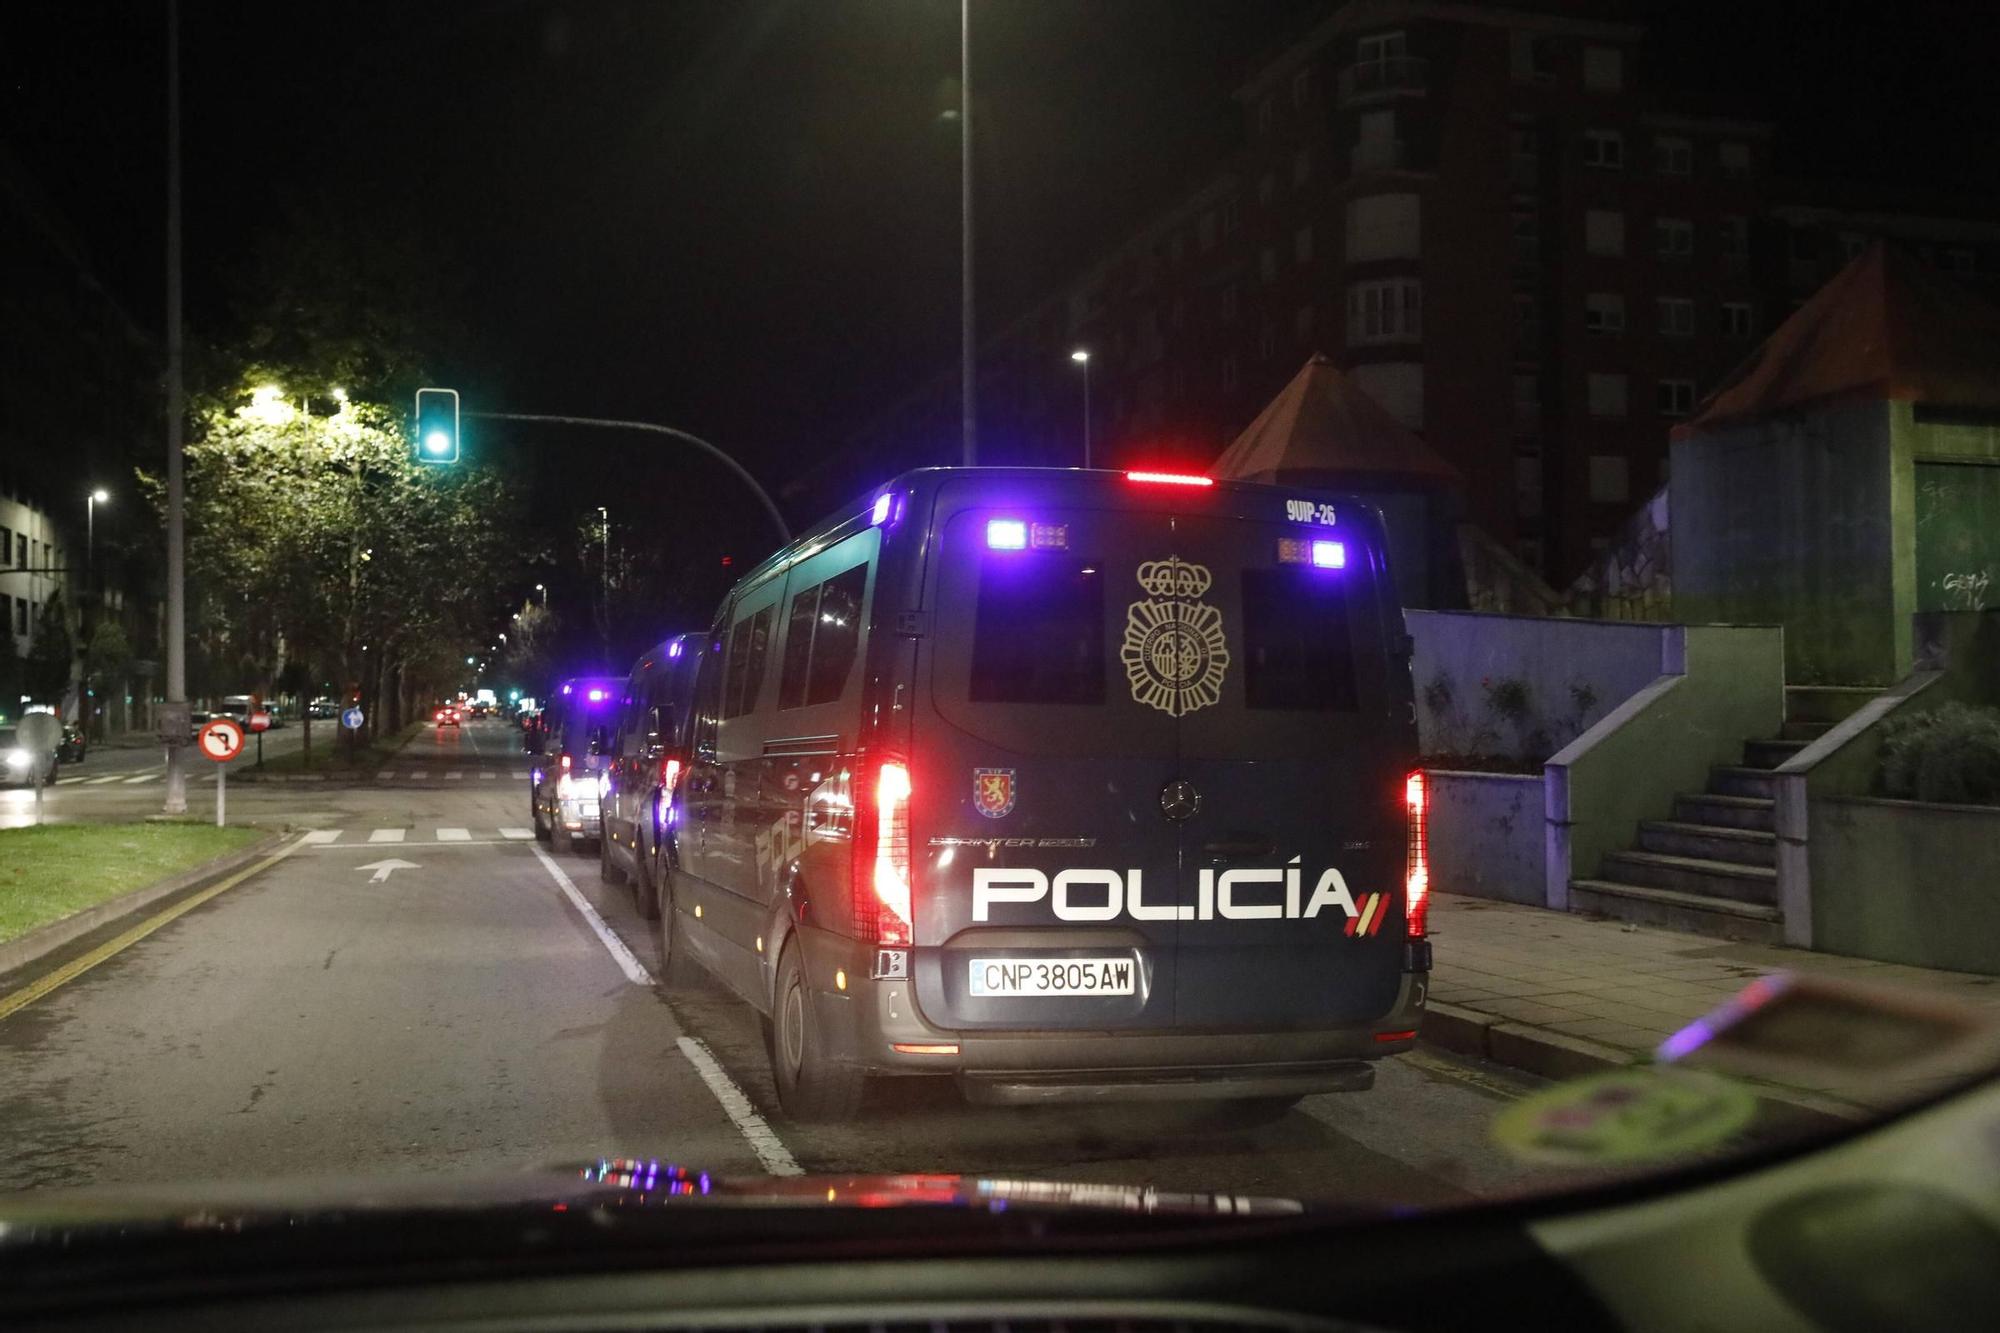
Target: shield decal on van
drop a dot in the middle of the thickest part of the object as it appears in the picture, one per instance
(993, 791)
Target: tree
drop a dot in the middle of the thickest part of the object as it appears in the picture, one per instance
(50, 655)
(107, 660)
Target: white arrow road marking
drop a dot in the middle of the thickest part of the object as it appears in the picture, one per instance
(383, 869)
(386, 835)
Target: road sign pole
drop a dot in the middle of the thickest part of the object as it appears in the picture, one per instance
(38, 798)
(260, 752)
(221, 791)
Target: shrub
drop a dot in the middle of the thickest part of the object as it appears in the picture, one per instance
(1949, 754)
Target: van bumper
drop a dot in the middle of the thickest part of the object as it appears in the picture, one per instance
(866, 1023)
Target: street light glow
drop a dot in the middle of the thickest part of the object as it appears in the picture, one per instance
(101, 496)
(339, 394)
(1080, 356)
(468, 661)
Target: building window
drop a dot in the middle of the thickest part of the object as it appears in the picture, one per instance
(1604, 312)
(1736, 319)
(21, 614)
(1735, 160)
(6, 547)
(1676, 317)
(1302, 323)
(1229, 374)
(1398, 386)
(1604, 232)
(1379, 49)
(1605, 394)
(1736, 238)
(1673, 238)
(1376, 147)
(1527, 238)
(1528, 484)
(1267, 189)
(1385, 312)
(1525, 58)
(1204, 232)
(1603, 69)
(1524, 164)
(1527, 321)
(1604, 148)
(1302, 83)
(1676, 397)
(1229, 304)
(1384, 226)
(1302, 167)
(1302, 245)
(1610, 479)
(1673, 157)
(1267, 264)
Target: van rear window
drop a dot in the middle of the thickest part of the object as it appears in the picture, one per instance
(1297, 649)
(745, 674)
(1038, 635)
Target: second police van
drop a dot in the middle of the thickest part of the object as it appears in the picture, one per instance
(1074, 785)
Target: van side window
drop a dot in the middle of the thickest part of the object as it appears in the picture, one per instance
(707, 698)
(822, 639)
(1296, 649)
(1038, 633)
(745, 677)
(836, 635)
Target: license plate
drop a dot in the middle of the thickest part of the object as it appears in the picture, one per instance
(1051, 976)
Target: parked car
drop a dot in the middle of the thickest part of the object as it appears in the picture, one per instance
(73, 746)
(322, 708)
(566, 783)
(648, 756)
(1071, 784)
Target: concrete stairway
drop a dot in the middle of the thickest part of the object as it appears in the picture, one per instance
(1711, 868)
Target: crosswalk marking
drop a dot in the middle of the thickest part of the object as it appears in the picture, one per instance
(453, 776)
(99, 782)
(489, 775)
(454, 835)
(386, 835)
(64, 782)
(143, 777)
(418, 774)
(522, 776)
(325, 835)
(517, 833)
(385, 775)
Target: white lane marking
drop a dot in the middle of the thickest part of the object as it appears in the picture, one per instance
(386, 835)
(143, 777)
(362, 846)
(454, 835)
(454, 775)
(488, 775)
(321, 836)
(64, 782)
(99, 782)
(763, 1140)
(517, 833)
(635, 971)
(419, 774)
(522, 776)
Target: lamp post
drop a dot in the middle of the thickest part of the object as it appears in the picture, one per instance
(94, 499)
(1082, 357)
(968, 389)
(543, 589)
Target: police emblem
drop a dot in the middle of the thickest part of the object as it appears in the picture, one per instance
(1174, 653)
(993, 791)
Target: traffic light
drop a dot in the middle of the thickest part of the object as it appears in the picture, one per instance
(437, 426)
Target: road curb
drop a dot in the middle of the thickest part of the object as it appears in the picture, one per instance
(1553, 1055)
(45, 940)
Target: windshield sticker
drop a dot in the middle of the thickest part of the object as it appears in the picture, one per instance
(1174, 654)
(993, 792)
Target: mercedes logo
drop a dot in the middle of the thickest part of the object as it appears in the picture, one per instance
(1179, 800)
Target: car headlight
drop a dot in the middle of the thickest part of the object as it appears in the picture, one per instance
(18, 757)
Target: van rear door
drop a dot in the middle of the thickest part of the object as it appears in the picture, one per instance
(1295, 748)
(1047, 887)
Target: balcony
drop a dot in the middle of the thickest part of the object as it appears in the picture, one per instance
(1382, 155)
(1378, 78)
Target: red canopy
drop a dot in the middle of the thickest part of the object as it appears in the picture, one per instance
(1323, 428)
(1888, 326)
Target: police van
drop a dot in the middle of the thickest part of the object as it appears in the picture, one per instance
(573, 747)
(645, 764)
(1071, 784)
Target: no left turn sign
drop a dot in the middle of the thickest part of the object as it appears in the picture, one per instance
(220, 740)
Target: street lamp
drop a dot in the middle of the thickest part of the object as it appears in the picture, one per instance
(543, 589)
(1082, 357)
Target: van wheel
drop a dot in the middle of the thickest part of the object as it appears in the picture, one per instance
(560, 840)
(541, 829)
(810, 1086)
(645, 895)
(606, 871)
(676, 969)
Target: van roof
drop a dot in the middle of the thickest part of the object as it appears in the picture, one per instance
(1130, 484)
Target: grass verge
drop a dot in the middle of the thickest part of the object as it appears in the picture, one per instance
(49, 872)
(330, 754)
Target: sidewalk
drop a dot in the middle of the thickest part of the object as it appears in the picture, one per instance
(1564, 995)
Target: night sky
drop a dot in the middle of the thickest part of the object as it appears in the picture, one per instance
(741, 216)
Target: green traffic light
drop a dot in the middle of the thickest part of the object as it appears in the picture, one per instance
(437, 426)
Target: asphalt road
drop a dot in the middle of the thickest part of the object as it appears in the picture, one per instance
(417, 988)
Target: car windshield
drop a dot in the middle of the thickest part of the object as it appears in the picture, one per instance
(1385, 604)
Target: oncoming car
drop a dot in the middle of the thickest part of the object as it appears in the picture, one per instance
(567, 780)
(1074, 785)
(447, 716)
(18, 763)
(646, 760)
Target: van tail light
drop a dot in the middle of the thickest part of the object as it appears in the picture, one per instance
(882, 873)
(565, 763)
(1417, 866)
(670, 774)
(1169, 478)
